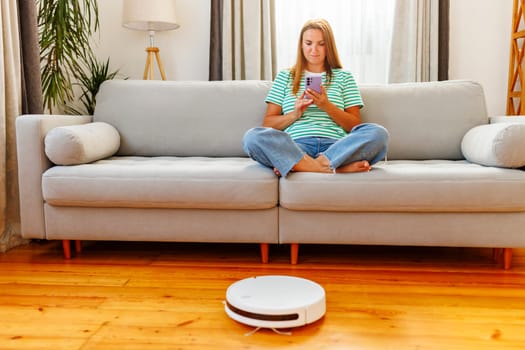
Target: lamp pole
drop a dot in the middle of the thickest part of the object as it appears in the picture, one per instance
(152, 55)
(151, 16)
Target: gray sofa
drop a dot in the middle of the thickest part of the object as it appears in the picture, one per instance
(163, 161)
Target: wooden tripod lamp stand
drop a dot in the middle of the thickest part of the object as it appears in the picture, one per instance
(151, 16)
(153, 54)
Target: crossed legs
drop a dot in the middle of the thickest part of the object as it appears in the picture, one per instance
(357, 152)
(321, 164)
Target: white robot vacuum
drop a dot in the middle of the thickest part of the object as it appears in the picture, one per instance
(275, 301)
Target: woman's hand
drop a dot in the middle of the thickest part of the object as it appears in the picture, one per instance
(275, 119)
(347, 118)
(301, 104)
(318, 98)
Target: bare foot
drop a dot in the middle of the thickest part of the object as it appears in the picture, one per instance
(321, 164)
(355, 167)
(277, 172)
(309, 164)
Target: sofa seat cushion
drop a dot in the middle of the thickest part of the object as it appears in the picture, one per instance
(163, 182)
(408, 186)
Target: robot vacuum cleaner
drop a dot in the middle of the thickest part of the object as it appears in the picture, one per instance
(275, 301)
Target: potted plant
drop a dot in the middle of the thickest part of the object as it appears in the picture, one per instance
(65, 30)
(89, 80)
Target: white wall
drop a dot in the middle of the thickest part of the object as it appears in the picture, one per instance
(184, 51)
(479, 44)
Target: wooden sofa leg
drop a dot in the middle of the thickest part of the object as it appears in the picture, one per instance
(265, 252)
(78, 247)
(507, 258)
(294, 253)
(497, 255)
(66, 246)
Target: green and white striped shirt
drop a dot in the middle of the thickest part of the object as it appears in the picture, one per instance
(342, 91)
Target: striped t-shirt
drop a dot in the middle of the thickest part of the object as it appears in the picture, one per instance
(342, 91)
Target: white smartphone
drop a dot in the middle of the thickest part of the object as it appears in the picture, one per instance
(313, 82)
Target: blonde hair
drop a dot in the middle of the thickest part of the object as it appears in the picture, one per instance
(332, 56)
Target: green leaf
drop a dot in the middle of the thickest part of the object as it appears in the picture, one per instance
(65, 28)
(93, 74)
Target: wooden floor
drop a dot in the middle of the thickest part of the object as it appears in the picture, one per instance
(170, 296)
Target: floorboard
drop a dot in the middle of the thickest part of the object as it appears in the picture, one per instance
(130, 295)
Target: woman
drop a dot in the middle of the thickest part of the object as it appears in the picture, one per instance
(310, 131)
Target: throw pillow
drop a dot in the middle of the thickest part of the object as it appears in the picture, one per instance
(499, 144)
(79, 144)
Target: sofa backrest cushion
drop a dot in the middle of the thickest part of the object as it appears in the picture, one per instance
(190, 118)
(202, 118)
(425, 120)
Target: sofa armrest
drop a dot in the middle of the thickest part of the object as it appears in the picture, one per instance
(32, 163)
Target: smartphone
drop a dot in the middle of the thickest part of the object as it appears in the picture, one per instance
(313, 82)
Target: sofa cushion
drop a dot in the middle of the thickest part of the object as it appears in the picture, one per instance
(84, 143)
(163, 182)
(500, 144)
(425, 120)
(182, 118)
(408, 186)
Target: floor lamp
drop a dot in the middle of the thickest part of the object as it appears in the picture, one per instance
(151, 16)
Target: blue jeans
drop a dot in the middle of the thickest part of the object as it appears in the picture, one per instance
(276, 149)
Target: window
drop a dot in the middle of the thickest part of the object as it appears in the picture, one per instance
(362, 30)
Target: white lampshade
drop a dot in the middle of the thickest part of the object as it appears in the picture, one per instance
(150, 15)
